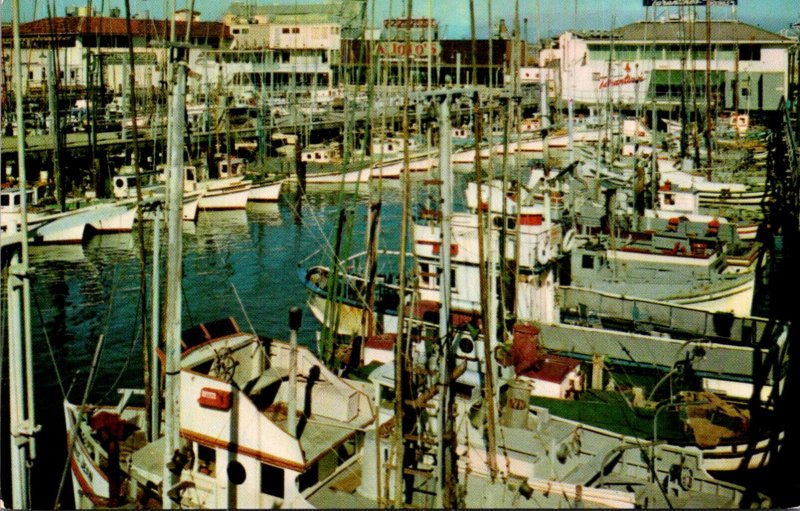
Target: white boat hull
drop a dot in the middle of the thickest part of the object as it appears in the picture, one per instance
(72, 227)
(738, 299)
(331, 178)
(230, 197)
(270, 192)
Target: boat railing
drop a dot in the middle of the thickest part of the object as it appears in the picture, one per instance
(717, 325)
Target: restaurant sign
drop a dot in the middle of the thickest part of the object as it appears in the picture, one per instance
(415, 49)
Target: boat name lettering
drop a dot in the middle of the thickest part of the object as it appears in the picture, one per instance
(86, 469)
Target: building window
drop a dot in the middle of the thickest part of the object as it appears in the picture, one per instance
(750, 52)
(30, 75)
(206, 460)
(235, 30)
(272, 481)
(285, 30)
(73, 74)
(295, 30)
(587, 262)
(425, 277)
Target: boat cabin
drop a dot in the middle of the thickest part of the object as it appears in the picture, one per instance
(321, 153)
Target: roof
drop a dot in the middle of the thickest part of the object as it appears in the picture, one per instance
(101, 25)
(334, 11)
(554, 369)
(348, 13)
(730, 31)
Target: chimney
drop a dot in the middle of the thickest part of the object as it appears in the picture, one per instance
(502, 31)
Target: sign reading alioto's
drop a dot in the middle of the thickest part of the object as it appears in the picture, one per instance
(392, 49)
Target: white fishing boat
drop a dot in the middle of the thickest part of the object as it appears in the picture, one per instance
(358, 175)
(269, 191)
(394, 169)
(220, 193)
(392, 147)
(124, 187)
(235, 398)
(669, 266)
(48, 225)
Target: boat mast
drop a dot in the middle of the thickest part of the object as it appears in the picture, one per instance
(172, 323)
(484, 287)
(709, 157)
(150, 419)
(55, 124)
(23, 425)
(445, 491)
(401, 376)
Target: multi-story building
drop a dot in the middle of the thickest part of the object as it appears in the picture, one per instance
(275, 55)
(746, 65)
(105, 40)
(279, 47)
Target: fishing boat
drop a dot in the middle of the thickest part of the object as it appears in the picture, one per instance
(671, 406)
(667, 265)
(50, 225)
(265, 191)
(228, 379)
(220, 193)
(124, 187)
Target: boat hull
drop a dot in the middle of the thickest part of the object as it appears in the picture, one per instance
(231, 197)
(269, 192)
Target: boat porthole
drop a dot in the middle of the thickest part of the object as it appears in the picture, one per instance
(466, 345)
(236, 472)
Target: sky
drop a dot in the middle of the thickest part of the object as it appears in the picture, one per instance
(545, 17)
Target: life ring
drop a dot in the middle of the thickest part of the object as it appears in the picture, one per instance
(569, 240)
(542, 253)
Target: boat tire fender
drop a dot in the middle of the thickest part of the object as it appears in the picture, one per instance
(568, 243)
(542, 255)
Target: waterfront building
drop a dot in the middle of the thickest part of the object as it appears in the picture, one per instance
(105, 38)
(626, 66)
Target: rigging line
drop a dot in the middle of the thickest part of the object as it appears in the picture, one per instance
(49, 345)
(246, 317)
(131, 346)
(97, 350)
(3, 308)
(115, 283)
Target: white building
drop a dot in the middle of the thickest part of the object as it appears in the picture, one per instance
(748, 65)
(105, 39)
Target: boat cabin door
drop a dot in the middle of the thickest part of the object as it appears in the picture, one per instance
(189, 178)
